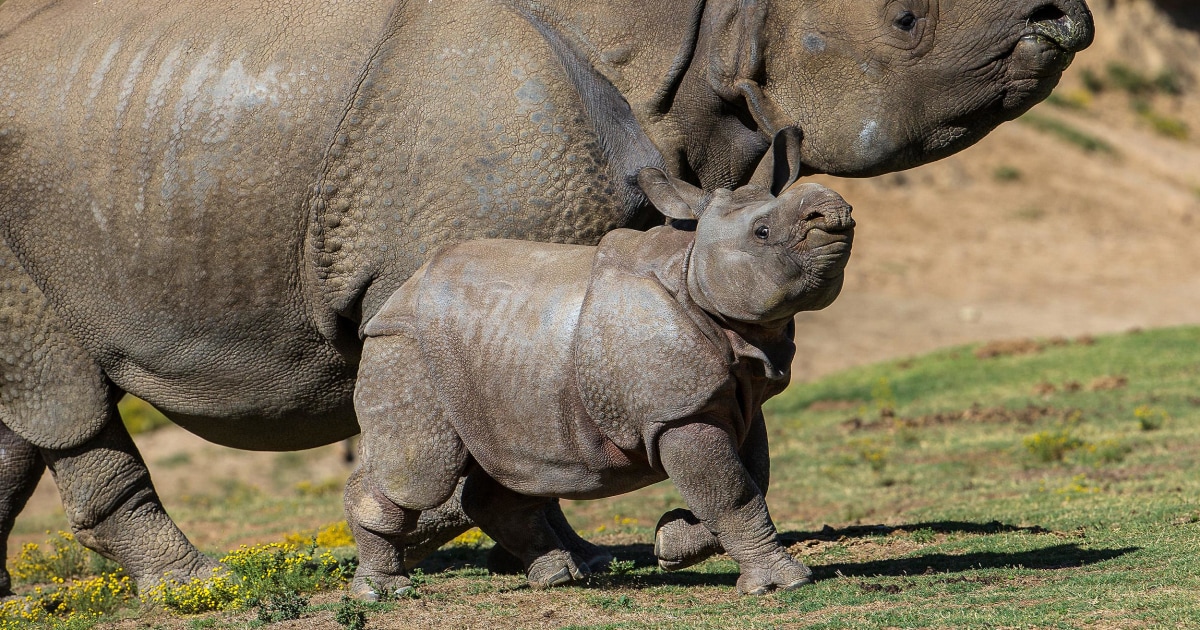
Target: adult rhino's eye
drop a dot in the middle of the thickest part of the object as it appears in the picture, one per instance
(762, 232)
(906, 21)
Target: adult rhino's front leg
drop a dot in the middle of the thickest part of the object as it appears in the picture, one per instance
(703, 461)
(680, 539)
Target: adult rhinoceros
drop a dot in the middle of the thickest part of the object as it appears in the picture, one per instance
(203, 200)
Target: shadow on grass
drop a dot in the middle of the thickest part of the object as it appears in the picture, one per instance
(1054, 557)
(1046, 559)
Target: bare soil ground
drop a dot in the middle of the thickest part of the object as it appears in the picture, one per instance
(1024, 235)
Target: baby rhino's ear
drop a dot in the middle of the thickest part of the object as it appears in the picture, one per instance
(673, 197)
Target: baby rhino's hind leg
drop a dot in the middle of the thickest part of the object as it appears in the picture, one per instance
(411, 461)
(521, 525)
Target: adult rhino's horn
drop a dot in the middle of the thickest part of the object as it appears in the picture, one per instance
(780, 167)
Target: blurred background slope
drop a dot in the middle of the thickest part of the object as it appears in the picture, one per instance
(1081, 217)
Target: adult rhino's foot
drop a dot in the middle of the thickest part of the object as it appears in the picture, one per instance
(373, 586)
(681, 540)
(556, 568)
(784, 574)
(195, 566)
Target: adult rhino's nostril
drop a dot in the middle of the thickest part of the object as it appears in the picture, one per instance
(1047, 13)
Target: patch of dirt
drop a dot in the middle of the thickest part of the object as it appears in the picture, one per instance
(976, 413)
(1009, 348)
(1108, 383)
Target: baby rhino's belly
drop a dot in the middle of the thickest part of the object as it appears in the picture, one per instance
(569, 462)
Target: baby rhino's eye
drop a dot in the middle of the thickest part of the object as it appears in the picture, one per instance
(762, 232)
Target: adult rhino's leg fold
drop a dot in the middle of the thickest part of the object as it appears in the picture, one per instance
(114, 510)
(21, 467)
(520, 524)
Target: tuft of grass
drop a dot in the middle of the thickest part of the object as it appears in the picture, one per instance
(1166, 126)
(58, 559)
(1067, 133)
(1006, 173)
(1077, 100)
(139, 416)
(1051, 446)
(1150, 418)
(351, 614)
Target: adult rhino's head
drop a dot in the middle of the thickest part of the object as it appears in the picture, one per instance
(761, 254)
(883, 85)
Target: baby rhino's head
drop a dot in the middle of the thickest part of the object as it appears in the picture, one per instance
(760, 258)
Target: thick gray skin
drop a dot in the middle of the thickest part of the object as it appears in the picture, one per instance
(202, 201)
(519, 366)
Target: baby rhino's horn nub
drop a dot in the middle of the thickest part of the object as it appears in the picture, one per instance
(823, 207)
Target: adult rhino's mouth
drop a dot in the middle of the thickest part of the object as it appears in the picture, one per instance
(1051, 38)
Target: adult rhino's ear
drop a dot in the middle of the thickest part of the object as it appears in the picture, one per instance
(673, 197)
(780, 167)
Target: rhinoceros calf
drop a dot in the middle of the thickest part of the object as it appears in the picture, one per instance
(542, 371)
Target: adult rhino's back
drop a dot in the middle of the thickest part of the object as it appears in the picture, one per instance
(156, 164)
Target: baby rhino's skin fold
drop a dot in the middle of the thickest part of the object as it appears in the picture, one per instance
(517, 373)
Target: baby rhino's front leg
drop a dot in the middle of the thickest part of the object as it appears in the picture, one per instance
(702, 459)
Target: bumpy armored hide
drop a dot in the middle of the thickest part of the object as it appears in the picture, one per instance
(646, 355)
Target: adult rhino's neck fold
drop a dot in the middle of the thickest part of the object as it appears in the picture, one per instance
(642, 51)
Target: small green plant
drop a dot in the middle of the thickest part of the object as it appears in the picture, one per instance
(1165, 125)
(1078, 100)
(1006, 173)
(1128, 80)
(1107, 452)
(1051, 446)
(1079, 486)
(1067, 133)
(1150, 418)
(281, 607)
(58, 559)
(1091, 81)
(883, 396)
(621, 567)
(351, 614)
(139, 416)
(924, 535)
(875, 455)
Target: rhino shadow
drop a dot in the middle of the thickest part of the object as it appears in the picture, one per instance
(1052, 558)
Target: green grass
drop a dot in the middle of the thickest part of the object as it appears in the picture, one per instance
(1054, 484)
(1067, 133)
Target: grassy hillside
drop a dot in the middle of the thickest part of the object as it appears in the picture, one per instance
(1047, 483)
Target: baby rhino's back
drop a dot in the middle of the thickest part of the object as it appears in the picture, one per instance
(496, 320)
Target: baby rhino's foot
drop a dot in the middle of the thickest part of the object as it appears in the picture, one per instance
(784, 574)
(374, 586)
(556, 568)
(681, 540)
